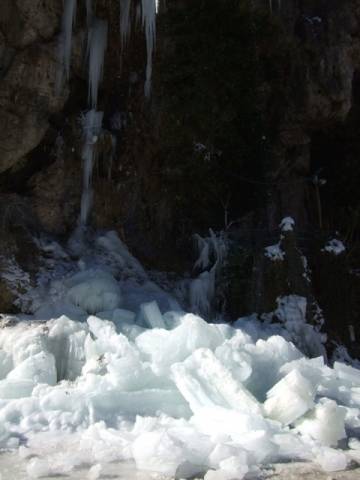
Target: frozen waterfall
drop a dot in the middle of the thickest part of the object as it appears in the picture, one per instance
(92, 124)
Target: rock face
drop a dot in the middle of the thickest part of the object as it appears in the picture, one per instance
(28, 74)
(251, 104)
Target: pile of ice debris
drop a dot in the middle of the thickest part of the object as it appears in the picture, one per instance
(111, 369)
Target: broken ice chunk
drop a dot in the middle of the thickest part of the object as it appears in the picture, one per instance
(232, 468)
(331, 460)
(350, 374)
(38, 468)
(150, 315)
(6, 364)
(168, 347)
(222, 423)
(39, 368)
(157, 452)
(15, 388)
(204, 381)
(290, 398)
(325, 423)
(120, 315)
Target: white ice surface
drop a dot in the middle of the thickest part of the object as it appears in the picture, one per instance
(125, 377)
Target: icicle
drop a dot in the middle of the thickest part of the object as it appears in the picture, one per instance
(149, 23)
(97, 42)
(92, 123)
(112, 155)
(68, 21)
(89, 12)
(124, 21)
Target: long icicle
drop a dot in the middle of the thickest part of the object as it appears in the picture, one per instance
(149, 24)
(89, 12)
(68, 21)
(125, 25)
(97, 42)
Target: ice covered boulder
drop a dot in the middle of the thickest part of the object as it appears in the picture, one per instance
(94, 291)
(204, 381)
(290, 398)
(325, 424)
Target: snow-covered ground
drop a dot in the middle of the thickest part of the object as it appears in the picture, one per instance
(111, 377)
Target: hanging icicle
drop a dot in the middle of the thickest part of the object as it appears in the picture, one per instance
(89, 12)
(68, 21)
(125, 25)
(91, 124)
(97, 42)
(149, 24)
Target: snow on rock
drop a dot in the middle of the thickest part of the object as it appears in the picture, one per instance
(275, 252)
(287, 224)
(334, 246)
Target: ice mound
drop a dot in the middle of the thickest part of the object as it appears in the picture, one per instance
(94, 291)
(174, 394)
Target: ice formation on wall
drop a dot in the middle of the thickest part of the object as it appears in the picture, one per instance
(97, 42)
(271, 5)
(149, 25)
(68, 21)
(89, 12)
(212, 254)
(125, 24)
(92, 123)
